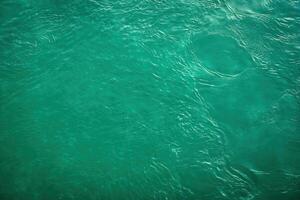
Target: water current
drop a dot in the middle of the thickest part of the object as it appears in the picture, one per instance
(150, 99)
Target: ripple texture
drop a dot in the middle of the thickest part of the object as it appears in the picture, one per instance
(150, 99)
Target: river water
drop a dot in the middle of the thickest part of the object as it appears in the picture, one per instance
(150, 99)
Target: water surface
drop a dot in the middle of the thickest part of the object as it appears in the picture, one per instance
(151, 99)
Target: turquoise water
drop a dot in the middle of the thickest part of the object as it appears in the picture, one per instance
(151, 99)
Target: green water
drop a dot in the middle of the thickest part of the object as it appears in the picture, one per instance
(150, 99)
